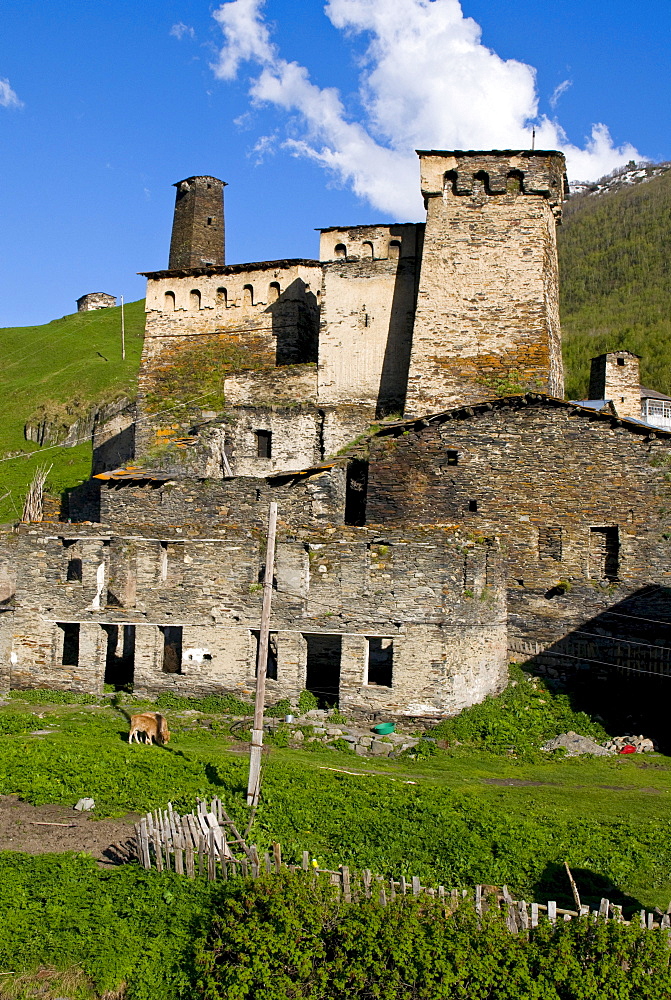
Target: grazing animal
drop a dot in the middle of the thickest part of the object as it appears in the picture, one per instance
(152, 725)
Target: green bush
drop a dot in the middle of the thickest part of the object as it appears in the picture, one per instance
(278, 711)
(45, 696)
(520, 719)
(307, 702)
(224, 704)
(291, 936)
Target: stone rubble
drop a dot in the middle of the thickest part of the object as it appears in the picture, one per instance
(576, 745)
(360, 740)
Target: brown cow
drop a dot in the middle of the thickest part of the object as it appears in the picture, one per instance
(152, 725)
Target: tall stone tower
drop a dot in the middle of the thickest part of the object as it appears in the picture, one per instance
(198, 225)
(487, 319)
(616, 376)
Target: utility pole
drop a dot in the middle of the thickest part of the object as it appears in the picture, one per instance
(262, 664)
(123, 334)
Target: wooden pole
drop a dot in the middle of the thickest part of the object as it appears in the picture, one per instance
(262, 664)
(123, 333)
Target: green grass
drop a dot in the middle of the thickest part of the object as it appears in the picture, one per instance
(73, 361)
(615, 291)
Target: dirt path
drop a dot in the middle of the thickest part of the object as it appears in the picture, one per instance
(21, 830)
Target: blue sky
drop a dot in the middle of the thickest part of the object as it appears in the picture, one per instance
(310, 116)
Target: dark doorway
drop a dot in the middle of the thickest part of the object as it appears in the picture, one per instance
(356, 492)
(172, 649)
(604, 544)
(120, 656)
(271, 663)
(323, 668)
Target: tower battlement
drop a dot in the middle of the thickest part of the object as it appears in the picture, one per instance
(492, 173)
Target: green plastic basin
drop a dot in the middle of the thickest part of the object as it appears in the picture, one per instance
(384, 728)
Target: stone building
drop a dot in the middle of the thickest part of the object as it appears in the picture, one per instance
(441, 507)
(95, 300)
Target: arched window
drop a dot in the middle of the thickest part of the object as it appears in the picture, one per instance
(222, 297)
(515, 182)
(367, 250)
(481, 182)
(273, 291)
(450, 181)
(394, 249)
(169, 302)
(194, 298)
(248, 295)
(340, 250)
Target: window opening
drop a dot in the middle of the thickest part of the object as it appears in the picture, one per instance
(73, 573)
(172, 649)
(222, 297)
(163, 561)
(550, 543)
(340, 250)
(620, 361)
(380, 662)
(169, 302)
(271, 662)
(481, 182)
(194, 298)
(209, 220)
(473, 506)
(452, 457)
(264, 444)
(394, 249)
(322, 675)
(248, 295)
(356, 492)
(515, 182)
(70, 652)
(604, 551)
(368, 249)
(120, 656)
(273, 291)
(450, 181)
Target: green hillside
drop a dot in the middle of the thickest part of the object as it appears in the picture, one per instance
(71, 362)
(615, 280)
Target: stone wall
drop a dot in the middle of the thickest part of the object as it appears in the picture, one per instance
(432, 606)
(487, 317)
(581, 502)
(95, 300)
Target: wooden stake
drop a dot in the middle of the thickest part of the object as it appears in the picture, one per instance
(262, 664)
(123, 333)
(574, 887)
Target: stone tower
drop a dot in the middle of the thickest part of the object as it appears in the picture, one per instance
(198, 225)
(487, 320)
(616, 376)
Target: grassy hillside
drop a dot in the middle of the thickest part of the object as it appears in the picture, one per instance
(73, 361)
(614, 253)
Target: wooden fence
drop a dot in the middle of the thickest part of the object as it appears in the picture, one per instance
(202, 843)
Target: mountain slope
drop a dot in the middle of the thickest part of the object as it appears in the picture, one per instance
(60, 370)
(615, 281)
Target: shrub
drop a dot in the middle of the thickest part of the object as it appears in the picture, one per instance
(307, 702)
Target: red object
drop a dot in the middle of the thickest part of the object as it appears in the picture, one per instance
(628, 748)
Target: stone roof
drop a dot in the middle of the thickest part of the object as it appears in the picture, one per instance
(259, 265)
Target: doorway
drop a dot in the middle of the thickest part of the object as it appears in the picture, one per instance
(323, 667)
(120, 656)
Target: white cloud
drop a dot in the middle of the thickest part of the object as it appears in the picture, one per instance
(8, 98)
(559, 90)
(180, 30)
(426, 80)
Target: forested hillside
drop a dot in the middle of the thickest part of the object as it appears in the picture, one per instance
(615, 280)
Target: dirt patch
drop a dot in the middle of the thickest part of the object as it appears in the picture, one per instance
(109, 841)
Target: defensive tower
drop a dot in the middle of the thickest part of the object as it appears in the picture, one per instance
(487, 319)
(198, 235)
(616, 376)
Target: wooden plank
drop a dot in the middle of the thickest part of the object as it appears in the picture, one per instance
(277, 857)
(346, 885)
(212, 858)
(534, 914)
(511, 916)
(552, 911)
(403, 885)
(383, 896)
(244, 865)
(584, 910)
(189, 860)
(256, 864)
(306, 861)
(201, 853)
(478, 900)
(267, 863)
(454, 898)
(642, 919)
(416, 886)
(574, 887)
(392, 889)
(604, 908)
(651, 921)
(179, 860)
(522, 915)
(367, 879)
(441, 892)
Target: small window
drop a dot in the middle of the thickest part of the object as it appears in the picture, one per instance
(380, 662)
(209, 186)
(70, 651)
(222, 297)
(163, 562)
(73, 573)
(356, 492)
(169, 302)
(264, 444)
(452, 457)
(367, 250)
(194, 298)
(209, 220)
(248, 295)
(481, 182)
(340, 250)
(273, 291)
(550, 543)
(394, 249)
(473, 506)
(172, 649)
(450, 181)
(515, 182)
(620, 361)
